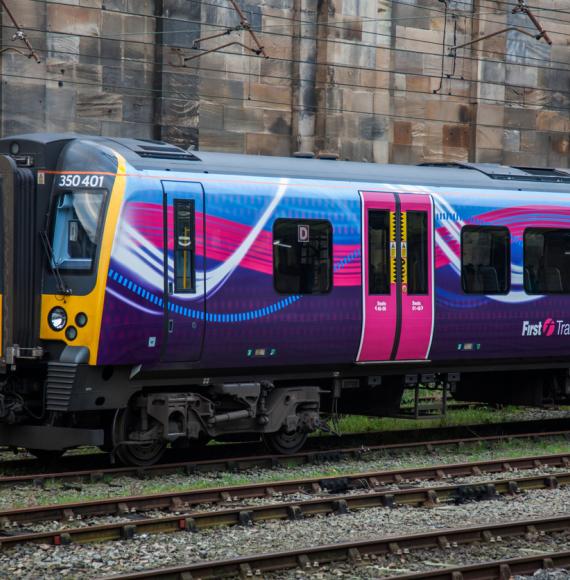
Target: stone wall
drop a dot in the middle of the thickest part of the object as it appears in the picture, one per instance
(363, 79)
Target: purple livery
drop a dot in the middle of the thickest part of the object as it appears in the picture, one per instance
(174, 297)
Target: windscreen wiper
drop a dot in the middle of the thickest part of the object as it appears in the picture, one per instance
(53, 266)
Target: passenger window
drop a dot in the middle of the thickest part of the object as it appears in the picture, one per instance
(184, 247)
(485, 260)
(378, 252)
(417, 250)
(302, 256)
(546, 261)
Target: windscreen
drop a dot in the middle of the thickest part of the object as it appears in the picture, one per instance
(77, 229)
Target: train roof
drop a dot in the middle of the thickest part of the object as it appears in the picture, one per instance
(156, 155)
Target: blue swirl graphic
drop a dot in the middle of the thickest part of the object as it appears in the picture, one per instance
(222, 317)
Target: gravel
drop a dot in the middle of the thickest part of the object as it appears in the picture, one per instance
(430, 560)
(81, 522)
(144, 552)
(28, 495)
(153, 551)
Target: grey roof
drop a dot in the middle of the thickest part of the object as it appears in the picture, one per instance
(153, 155)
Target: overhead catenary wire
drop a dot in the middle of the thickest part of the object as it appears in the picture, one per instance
(397, 2)
(181, 97)
(370, 20)
(415, 74)
(339, 65)
(187, 97)
(291, 20)
(360, 85)
(19, 34)
(510, 5)
(352, 67)
(464, 58)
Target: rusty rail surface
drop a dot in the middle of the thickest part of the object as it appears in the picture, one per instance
(356, 552)
(309, 457)
(372, 481)
(319, 444)
(495, 570)
(291, 510)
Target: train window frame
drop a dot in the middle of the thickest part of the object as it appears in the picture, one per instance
(374, 291)
(299, 222)
(425, 257)
(476, 228)
(74, 266)
(188, 204)
(528, 291)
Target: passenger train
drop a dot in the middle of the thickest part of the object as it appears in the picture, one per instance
(155, 296)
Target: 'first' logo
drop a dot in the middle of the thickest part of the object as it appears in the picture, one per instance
(546, 328)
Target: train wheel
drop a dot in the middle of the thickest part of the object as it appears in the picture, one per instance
(191, 445)
(285, 442)
(142, 454)
(47, 455)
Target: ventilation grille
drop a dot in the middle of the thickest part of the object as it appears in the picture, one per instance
(161, 155)
(157, 150)
(510, 173)
(59, 385)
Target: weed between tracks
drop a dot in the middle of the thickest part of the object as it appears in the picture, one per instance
(478, 415)
(56, 492)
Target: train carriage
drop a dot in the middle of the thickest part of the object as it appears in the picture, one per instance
(152, 295)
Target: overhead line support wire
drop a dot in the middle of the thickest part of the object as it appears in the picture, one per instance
(454, 49)
(336, 41)
(19, 35)
(521, 8)
(243, 25)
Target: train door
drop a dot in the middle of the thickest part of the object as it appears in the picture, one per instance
(184, 276)
(397, 277)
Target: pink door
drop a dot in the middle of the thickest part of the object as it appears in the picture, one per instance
(397, 277)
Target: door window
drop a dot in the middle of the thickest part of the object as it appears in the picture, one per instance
(378, 252)
(417, 252)
(184, 246)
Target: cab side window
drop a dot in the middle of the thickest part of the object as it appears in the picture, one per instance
(485, 260)
(302, 256)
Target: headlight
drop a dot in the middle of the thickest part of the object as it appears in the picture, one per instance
(71, 333)
(81, 319)
(57, 318)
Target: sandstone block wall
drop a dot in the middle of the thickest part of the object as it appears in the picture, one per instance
(367, 80)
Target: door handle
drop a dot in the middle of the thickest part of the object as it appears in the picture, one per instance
(171, 325)
(171, 287)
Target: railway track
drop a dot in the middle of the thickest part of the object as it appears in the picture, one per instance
(249, 515)
(319, 444)
(360, 552)
(497, 570)
(265, 461)
(373, 481)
